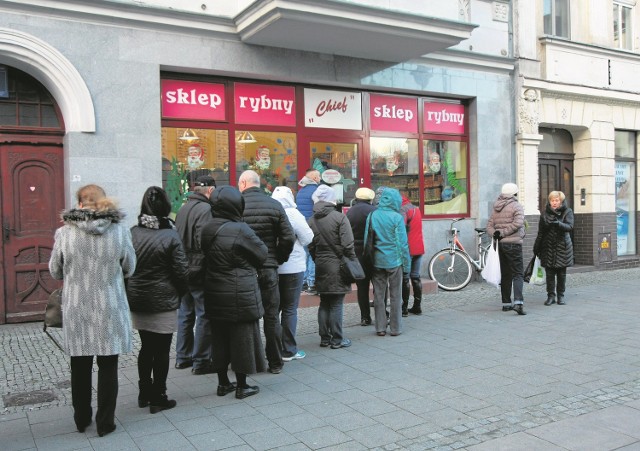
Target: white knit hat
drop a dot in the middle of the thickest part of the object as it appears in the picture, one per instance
(509, 189)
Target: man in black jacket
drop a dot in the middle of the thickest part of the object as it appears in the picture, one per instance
(194, 349)
(269, 221)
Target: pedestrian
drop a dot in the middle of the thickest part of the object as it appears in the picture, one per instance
(308, 185)
(390, 260)
(153, 291)
(233, 252)
(93, 254)
(269, 221)
(291, 274)
(330, 226)
(553, 245)
(506, 224)
(193, 340)
(357, 216)
(413, 221)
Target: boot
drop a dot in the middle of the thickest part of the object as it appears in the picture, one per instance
(562, 282)
(551, 288)
(551, 299)
(145, 387)
(416, 284)
(159, 400)
(406, 292)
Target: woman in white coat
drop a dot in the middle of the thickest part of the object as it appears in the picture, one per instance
(291, 274)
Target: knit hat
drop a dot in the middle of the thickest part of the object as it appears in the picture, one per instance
(509, 189)
(324, 193)
(365, 194)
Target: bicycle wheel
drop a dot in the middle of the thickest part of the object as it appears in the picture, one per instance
(452, 271)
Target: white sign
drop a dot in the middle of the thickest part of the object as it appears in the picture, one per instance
(332, 109)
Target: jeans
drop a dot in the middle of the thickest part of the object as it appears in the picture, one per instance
(268, 281)
(310, 272)
(153, 359)
(391, 278)
(413, 278)
(81, 368)
(192, 346)
(511, 269)
(330, 318)
(290, 287)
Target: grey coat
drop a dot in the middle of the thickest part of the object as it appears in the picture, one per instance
(93, 254)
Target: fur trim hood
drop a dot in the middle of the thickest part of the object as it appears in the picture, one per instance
(92, 221)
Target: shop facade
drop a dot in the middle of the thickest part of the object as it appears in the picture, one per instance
(152, 98)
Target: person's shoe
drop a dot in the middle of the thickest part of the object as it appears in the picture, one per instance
(184, 365)
(324, 344)
(519, 308)
(297, 356)
(507, 308)
(395, 334)
(561, 300)
(415, 310)
(345, 343)
(405, 313)
(205, 369)
(381, 334)
(305, 286)
(160, 403)
(365, 322)
(550, 300)
(226, 389)
(246, 391)
(81, 426)
(312, 290)
(274, 370)
(108, 429)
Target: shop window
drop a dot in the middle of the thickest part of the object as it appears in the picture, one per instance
(622, 31)
(445, 177)
(189, 153)
(556, 18)
(625, 179)
(394, 164)
(273, 155)
(342, 157)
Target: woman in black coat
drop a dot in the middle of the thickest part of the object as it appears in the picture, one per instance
(232, 299)
(153, 292)
(553, 245)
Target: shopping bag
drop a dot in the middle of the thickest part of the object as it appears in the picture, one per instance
(491, 272)
(538, 276)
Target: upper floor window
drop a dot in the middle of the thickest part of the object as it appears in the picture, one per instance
(622, 35)
(556, 18)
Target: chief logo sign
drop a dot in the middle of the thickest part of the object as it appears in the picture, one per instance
(193, 100)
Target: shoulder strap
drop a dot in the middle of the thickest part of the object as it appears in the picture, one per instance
(213, 238)
(327, 238)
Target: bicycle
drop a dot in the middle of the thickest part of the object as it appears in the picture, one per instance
(452, 267)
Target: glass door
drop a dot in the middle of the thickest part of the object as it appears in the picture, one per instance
(339, 165)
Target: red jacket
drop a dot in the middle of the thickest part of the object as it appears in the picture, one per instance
(413, 221)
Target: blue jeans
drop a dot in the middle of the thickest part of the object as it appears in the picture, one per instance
(310, 272)
(391, 278)
(330, 318)
(290, 288)
(192, 346)
(270, 292)
(511, 268)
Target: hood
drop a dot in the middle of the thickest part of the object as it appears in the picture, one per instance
(91, 221)
(323, 208)
(390, 199)
(304, 181)
(284, 195)
(227, 202)
(503, 201)
(405, 200)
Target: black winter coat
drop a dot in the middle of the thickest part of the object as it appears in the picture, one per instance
(357, 216)
(267, 218)
(553, 244)
(326, 220)
(190, 220)
(162, 269)
(231, 291)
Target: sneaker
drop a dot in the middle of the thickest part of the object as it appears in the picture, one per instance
(344, 344)
(297, 356)
(519, 308)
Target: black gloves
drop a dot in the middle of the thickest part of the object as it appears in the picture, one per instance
(496, 235)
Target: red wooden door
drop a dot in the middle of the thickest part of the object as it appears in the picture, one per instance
(31, 202)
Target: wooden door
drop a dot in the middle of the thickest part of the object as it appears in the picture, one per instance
(31, 202)
(556, 174)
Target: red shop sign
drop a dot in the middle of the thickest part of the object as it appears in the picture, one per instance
(265, 104)
(444, 118)
(192, 100)
(395, 114)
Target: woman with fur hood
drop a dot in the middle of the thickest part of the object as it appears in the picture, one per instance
(93, 254)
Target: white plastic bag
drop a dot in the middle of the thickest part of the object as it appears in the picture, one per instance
(491, 272)
(538, 276)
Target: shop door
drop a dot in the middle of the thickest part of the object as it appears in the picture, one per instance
(31, 202)
(556, 174)
(344, 156)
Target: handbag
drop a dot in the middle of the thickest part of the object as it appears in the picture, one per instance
(53, 315)
(538, 275)
(529, 269)
(491, 272)
(369, 245)
(350, 268)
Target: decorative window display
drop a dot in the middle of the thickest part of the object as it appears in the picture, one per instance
(394, 164)
(445, 177)
(335, 158)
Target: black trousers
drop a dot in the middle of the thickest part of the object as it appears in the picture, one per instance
(153, 359)
(81, 368)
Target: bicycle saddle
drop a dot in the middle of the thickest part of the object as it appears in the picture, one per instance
(480, 230)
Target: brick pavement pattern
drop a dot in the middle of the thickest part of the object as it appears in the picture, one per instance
(464, 375)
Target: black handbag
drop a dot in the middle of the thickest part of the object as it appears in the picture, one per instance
(53, 315)
(350, 267)
(369, 245)
(529, 269)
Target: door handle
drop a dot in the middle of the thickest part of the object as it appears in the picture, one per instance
(6, 232)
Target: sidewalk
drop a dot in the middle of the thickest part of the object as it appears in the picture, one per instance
(464, 375)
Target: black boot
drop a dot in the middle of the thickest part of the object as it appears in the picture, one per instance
(406, 292)
(551, 287)
(416, 284)
(551, 299)
(144, 396)
(159, 400)
(562, 283)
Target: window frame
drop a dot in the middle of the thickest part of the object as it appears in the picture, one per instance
(619, 43)
(552, 6)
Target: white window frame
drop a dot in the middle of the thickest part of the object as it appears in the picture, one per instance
(553, 7)
(623, 5)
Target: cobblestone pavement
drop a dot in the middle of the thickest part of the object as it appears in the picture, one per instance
(462, 376)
